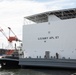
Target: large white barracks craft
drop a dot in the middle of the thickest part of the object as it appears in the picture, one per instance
(50, 40)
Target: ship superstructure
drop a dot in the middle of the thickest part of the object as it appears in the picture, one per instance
(53, 35)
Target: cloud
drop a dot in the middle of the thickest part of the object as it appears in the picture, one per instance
(12, 12)
(60, 4)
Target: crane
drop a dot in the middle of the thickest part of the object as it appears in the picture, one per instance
(10, 38)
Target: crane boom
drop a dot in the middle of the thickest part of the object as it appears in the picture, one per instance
(10, 38)
(11, 31)
(1, 30)
(14, 38)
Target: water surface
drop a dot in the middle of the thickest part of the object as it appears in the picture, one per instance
(36, 72)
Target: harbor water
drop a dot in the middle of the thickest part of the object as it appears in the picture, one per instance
(36, 72)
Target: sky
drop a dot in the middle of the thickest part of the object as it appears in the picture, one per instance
(12, 13)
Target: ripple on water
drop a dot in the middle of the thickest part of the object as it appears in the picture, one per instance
(6, 73)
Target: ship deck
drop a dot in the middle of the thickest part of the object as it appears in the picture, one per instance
(52, 63)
